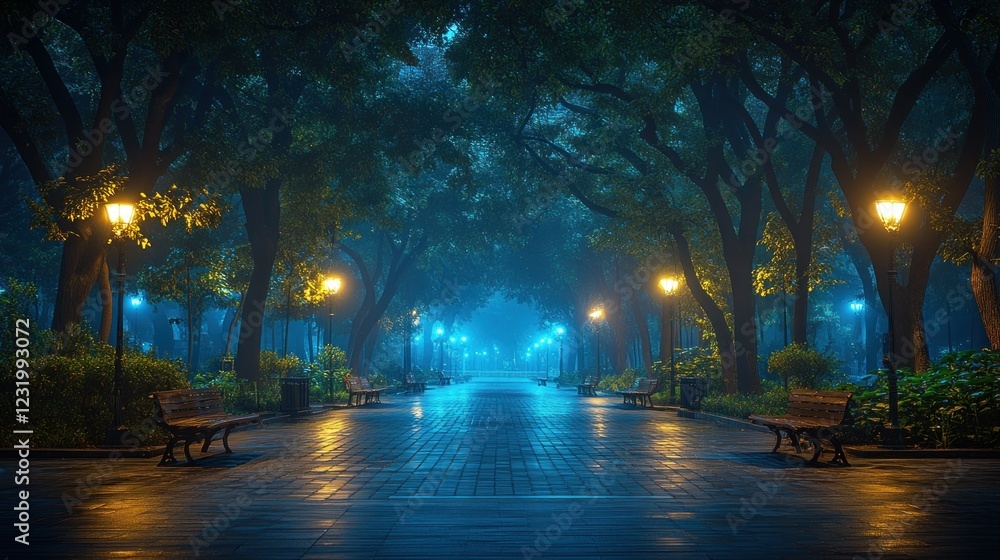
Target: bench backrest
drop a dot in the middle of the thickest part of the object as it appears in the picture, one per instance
(653, 384)
(353, 385)
(188, 403)
(642, 386)
(827, 406)
(409, 379)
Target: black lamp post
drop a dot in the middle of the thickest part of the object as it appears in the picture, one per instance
(332, 286)
(413, 321)
(120, 214)
(669, 286)
(891, 214)
(596, 315)
(559, 334)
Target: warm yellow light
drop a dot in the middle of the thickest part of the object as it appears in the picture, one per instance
(669, 285)
(120, 214)
(891, 213)
(416, 318)
(332, 284)
(597, 314)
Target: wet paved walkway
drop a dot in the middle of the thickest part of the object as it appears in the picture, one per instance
(506, 469)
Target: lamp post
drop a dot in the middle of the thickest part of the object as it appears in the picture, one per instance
(891, 214)
(332, 285)
(412, 321)
(559, 335)
(440, 337)
(120, 214)
(669, 286)
(858, 307)
(548, 351)
(596, 315)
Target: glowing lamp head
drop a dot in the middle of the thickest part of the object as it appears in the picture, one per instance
(331, 285)
(857, 306)
(136, 301)
(596, 314)
(560, 330)
(120, 214)
(891, 213)
(669, 286)
(439, 331)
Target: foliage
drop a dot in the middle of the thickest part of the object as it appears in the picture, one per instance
(773, 401)
(15, 300)
(955, 403)
(800, 366)
(71, 389)
(618, 382)
(701, 362)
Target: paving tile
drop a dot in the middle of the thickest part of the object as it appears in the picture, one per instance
(507, 469)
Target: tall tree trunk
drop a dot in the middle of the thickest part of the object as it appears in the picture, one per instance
(641, 312)
(262, 210)
(723, 334)
(83, 256)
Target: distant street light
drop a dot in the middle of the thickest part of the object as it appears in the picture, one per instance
(891, 214)
(120, 214)
(559, 335)
(596, 315)
(331, 285)
(858, 307)
(669, 286)
(412, 321)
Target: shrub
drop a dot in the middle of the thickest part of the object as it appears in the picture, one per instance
(955, 403)
(72, 376)
(800, 366)
(699, 362)
(618, 382)
(773, 401)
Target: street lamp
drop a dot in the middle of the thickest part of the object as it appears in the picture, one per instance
(412, 321)
(331, 285)
(596, 315)
(440, 337)
(120, 214)
(891, 214)
(559, 335)
(858, 307)
(669, 286)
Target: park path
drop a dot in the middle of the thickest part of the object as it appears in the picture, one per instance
(507, 469)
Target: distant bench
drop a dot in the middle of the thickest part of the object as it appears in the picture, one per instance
(588, 387)
(643, 390)
(443, 379)
(359, 388)
(194, 415)
(816, 415)
(411, 385)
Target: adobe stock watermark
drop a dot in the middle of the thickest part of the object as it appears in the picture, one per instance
(922, 501)
(454, 118)
(121, 109)
(32, 26)
(363, 36)
(563, 521)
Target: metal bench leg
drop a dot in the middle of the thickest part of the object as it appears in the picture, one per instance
(208, 441)
(794, 437)
(838, 452)
(777, 438)
(168, 453)
(187, 449)
(225, 439)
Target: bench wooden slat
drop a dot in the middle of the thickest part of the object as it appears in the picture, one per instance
(818, 415)
(195, 415)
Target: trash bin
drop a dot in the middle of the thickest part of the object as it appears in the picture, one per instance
(294, 394)
(692, 390)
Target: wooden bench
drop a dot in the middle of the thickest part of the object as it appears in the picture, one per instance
(642, 392)
(443, 379)
(588, 387)
(195, 415)
(411, 385)
(543, 381)
(815, 415)
(374, 393)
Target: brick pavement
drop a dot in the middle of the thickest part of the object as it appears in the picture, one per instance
(507, 469)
